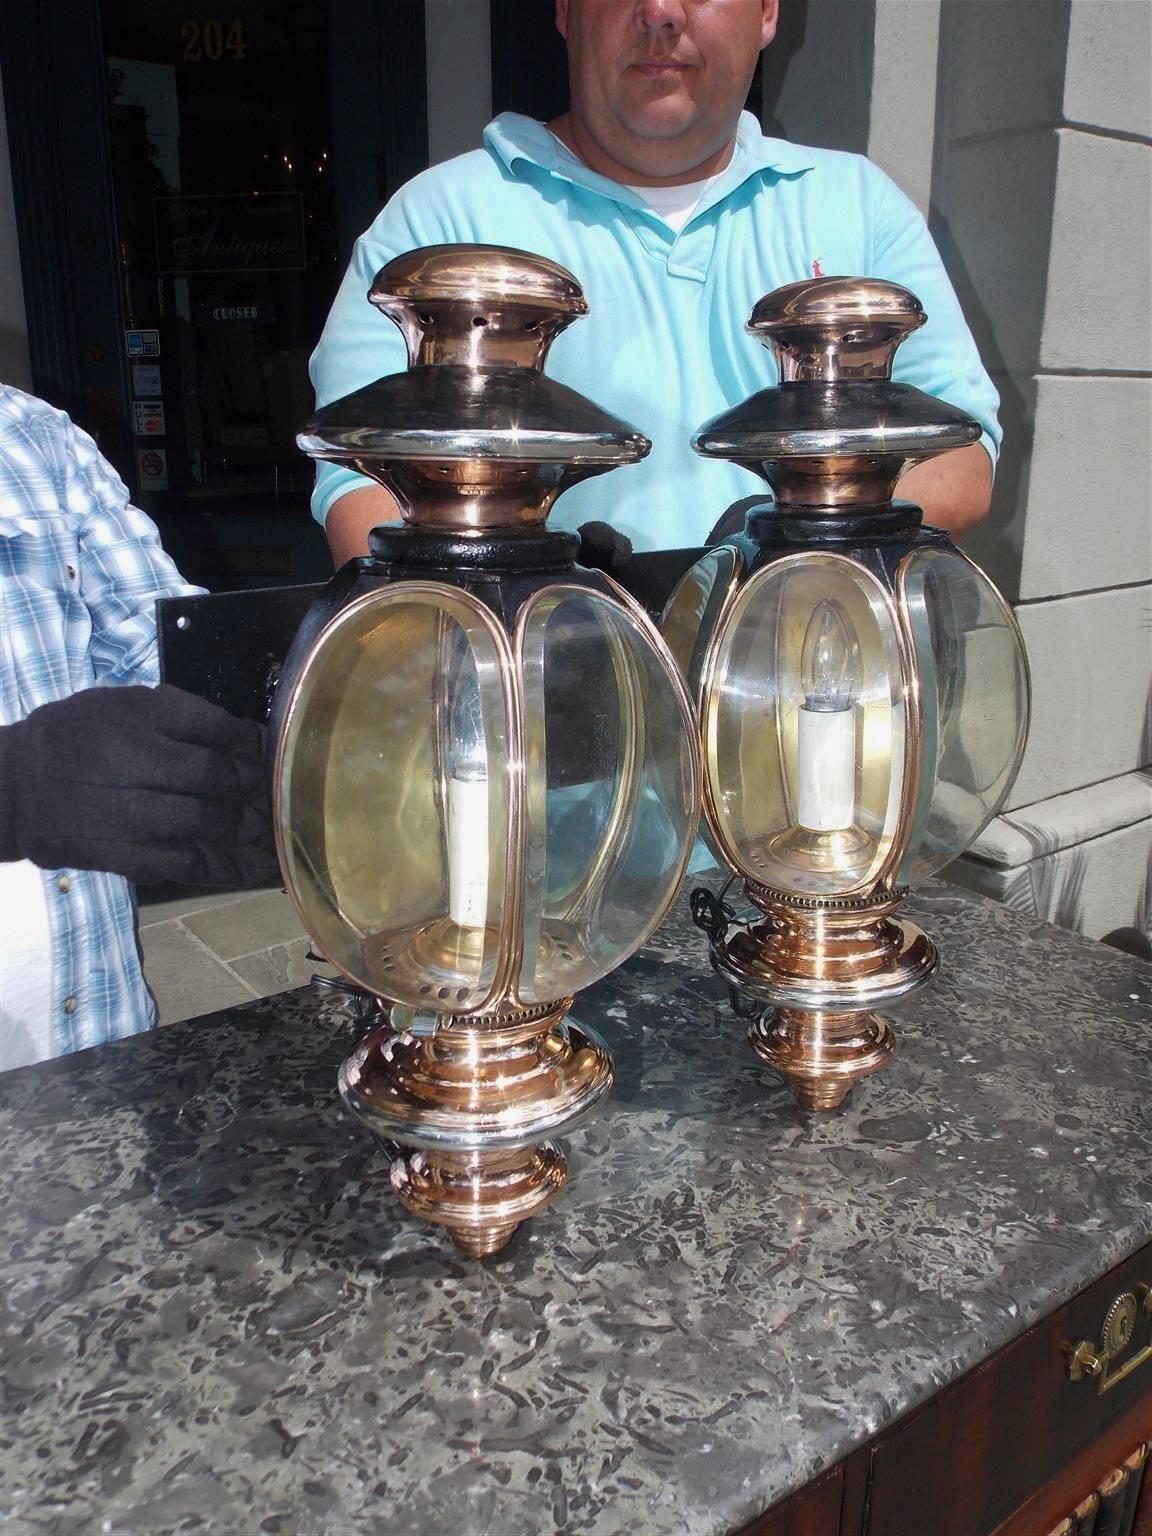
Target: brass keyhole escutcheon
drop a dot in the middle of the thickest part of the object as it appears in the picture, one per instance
(1102, 1361)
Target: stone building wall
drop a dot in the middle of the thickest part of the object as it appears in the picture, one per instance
(1022, 130)
(1041, 206)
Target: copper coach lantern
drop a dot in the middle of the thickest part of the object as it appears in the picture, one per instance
(486, 774)
(862, 686)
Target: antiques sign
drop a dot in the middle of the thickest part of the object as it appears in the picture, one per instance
(230, 232)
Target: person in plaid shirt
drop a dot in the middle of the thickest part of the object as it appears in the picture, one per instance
(105, 778)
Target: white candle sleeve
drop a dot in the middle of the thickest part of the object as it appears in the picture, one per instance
(826, 769)
(468, 850)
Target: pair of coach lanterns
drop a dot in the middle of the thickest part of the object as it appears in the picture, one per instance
(490, 762)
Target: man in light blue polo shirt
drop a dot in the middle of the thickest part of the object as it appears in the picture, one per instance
(676, 215)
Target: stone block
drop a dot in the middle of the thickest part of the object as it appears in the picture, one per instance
(1090, 657)
(280, 969)
(996, 543)
(993, 225)
(817, 74)
(1097, 304)
(1089, 490)
(261, 921)
(902, 125)
(164, 903)
(1003, 64)
(185, 979)
(458, 69)
(1106, 75)
(1095, 884)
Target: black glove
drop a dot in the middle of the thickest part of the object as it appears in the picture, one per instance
(151, 783)
(733, 520)
(602, 548)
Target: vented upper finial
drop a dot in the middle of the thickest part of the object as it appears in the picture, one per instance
(830, 328)
(479, 305)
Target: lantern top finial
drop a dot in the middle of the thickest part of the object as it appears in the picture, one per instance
(830, 328)
(479, 305)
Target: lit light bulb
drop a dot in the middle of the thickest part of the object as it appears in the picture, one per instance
(826, 746)
(466, 762)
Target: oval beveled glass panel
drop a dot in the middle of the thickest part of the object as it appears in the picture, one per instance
(611, 788)
(974, 700)
(393, 796)
(691, 613)
(766, 769)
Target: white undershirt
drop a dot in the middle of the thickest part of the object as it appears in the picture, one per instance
(675, 205)
(25, 965)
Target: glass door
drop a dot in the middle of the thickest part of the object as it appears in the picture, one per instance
(220, 128)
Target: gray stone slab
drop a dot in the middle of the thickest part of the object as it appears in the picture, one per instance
(185, 979)
(276, 970)
(1106, 81)
(1092, 887)
(217, 1315)
(994, 233)
(1089, 490)
(458, 69)
(1005, 64)
(1097, 307)
(160, 904)
(261, 921)
(1090, 657)
(902, 122)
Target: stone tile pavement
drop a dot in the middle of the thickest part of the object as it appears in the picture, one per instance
(205, 951)
(208, 950)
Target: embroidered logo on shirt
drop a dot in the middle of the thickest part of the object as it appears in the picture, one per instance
(817, 269)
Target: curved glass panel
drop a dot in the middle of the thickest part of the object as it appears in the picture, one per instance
(804, 727)
(690, 614)
(611, 790)
(393, 795)
(974, 697)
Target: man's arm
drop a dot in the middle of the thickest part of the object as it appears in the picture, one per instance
(352, 518)
(954, 491)
(941, 359)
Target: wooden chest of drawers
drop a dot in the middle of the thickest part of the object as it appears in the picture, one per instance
(1008, 1450)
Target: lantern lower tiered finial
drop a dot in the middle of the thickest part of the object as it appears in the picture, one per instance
(473, 1104)
(862, 687)
(486, 776)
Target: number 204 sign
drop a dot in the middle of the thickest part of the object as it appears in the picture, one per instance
(213, 40)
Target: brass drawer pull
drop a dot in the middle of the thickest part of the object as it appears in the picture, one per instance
(1120, 1324)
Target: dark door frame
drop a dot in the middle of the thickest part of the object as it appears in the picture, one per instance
(55, 96)
(56, 105)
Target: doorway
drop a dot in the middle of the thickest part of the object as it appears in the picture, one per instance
(214, 165)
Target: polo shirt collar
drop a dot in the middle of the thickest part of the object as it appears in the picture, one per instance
(513, 138)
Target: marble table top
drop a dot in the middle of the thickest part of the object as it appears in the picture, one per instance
(217, 1318)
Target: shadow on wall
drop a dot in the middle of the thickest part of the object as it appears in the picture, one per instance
(994, 237)
(816, 74)
(997, 544)
(785, 45)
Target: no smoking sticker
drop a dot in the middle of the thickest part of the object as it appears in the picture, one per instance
(152, 469)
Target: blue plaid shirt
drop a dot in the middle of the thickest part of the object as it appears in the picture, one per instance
(80, 572)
